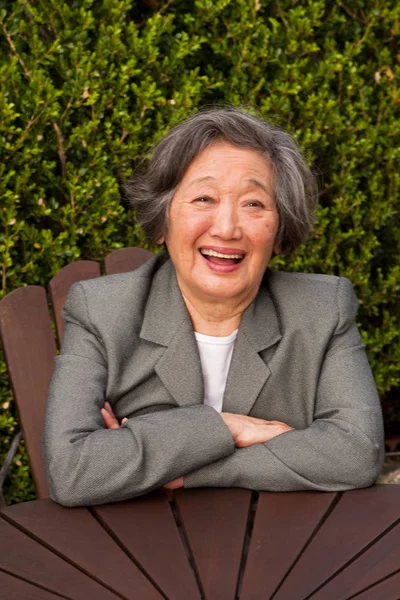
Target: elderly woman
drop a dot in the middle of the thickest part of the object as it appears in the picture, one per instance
(220, 371)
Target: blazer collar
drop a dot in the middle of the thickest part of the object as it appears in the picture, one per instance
(259, 330)
(165, 311)
(260, 321)
(167, 322)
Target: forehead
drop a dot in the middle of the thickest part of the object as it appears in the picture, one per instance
(225, 160)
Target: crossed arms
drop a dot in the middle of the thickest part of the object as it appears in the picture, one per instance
(90, 464)
(246, 431)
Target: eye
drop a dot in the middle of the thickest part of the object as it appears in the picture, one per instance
(255, 204)
(203, 200)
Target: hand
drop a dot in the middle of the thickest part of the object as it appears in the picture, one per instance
(111, 422)
(247, 431)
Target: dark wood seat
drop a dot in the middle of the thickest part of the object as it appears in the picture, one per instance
(28, 337)
(206, 544)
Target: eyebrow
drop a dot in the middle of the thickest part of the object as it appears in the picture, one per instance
(259, 184)
(251, 180)
(201, 179)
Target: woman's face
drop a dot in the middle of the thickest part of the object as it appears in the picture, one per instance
(223, 223)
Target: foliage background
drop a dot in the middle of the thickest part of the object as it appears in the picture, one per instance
(86, 86)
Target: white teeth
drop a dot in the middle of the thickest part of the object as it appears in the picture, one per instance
(208, 252)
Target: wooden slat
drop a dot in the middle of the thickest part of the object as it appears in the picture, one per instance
(359, 517)
(29, 350)
(126, 259)
(379, 561)
(60, 284)
(386, 590)
(215, 524)
(146, 528)
(76, 535)
(8, 461)
(282, 526)
(12, 588)
(22, 556)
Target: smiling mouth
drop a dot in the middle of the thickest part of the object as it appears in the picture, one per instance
(219, 258)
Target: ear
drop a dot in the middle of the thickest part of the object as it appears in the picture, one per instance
(278, 239)
(277, 244)
(161, 240)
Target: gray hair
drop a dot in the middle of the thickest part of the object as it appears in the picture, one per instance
(153, 186)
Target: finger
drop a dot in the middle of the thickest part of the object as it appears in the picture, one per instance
(244, 418)
(280, 424)
(124, 420)
(110, 421)
(107, 407)
(169, 486)
(256, 421)
(175, 484)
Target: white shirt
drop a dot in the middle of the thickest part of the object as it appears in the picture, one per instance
(215, 356)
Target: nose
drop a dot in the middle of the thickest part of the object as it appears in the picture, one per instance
(226, 222)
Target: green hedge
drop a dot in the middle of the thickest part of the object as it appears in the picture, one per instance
(88, 85)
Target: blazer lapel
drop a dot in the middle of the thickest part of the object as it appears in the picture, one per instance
(167, 323)
(248, 373)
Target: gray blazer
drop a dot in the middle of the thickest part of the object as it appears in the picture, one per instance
(298, 358)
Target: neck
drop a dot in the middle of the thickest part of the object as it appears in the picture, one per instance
(214, 318)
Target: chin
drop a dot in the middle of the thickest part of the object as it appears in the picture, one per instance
(222, 292)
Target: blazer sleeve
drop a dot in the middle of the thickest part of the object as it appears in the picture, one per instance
(342, 449)
(88, 464)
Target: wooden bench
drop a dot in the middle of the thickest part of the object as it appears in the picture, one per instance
(30, 340)
(206, 544)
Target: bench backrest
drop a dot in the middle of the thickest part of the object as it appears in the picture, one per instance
(28, 338)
